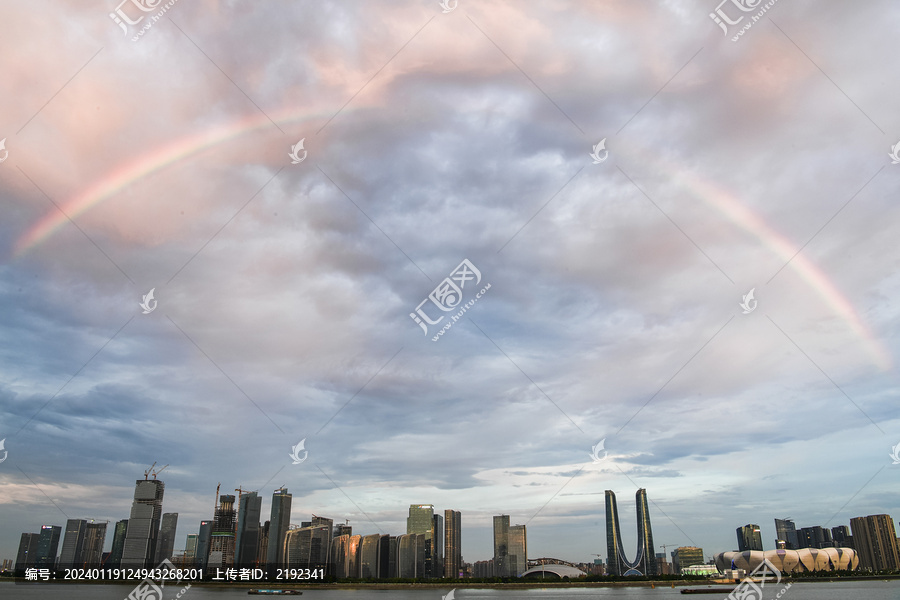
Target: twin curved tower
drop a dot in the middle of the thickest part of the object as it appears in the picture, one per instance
(645, 561)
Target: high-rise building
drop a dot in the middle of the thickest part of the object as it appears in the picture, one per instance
(27, 555)
(165, 546)
(353, 549)
(517, 551)
(875, 541)
(204, 540)
(340, 565)
(72, 553)
(342, 529)
(48, 544)
(813, 537)
(411, 555)
(370, 556)
(786, 531)
(118, 545)
(422, 521)
(392, 560)
(190, 548)
(452, 544)
(263, 548)
(94, 539)
(501, 546)
(842, 537)
(246, 543)
(483, 568)
(221, 542)
(143, 524)
(645, 561)
(279, 522)
(384, 556)
(437, 547)
(307, 547)
(749, 537)
(686, 556)
(662, 564)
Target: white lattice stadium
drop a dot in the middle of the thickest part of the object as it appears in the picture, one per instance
(804, 560)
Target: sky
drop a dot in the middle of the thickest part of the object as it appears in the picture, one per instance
(294, 180)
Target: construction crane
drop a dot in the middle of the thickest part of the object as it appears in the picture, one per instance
(281, 489)
(216, 502)
(664, 546)
(153, 472)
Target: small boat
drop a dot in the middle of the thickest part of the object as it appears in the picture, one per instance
(262, 592)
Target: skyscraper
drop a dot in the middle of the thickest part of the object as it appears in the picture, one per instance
(118, 545)
(875, 541)
(165, 546)
(813, 537)
(72, 554)
(143, 524)
(452, 543)
(247, 542)
(645, 561)
(786, 531)
(47, 546)
(204, 539)
(279, 522)
(501, 546)
(749, 537)
(221, 543)
(842, 537)
(686, 556)
(370, 556)
(421, 521)
(190, 548)
(94, 539)
(262, 552)
(517, 551)
(27, 554)
(437, 547)
(307, 547)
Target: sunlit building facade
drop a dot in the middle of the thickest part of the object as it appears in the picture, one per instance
(644, 562)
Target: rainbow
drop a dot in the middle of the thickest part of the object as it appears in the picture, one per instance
(728, 205)
(713, 195)
(126, 174)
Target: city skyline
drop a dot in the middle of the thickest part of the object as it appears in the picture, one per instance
(661, 260)
(234, 523)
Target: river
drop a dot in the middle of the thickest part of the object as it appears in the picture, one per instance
(850, 590)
